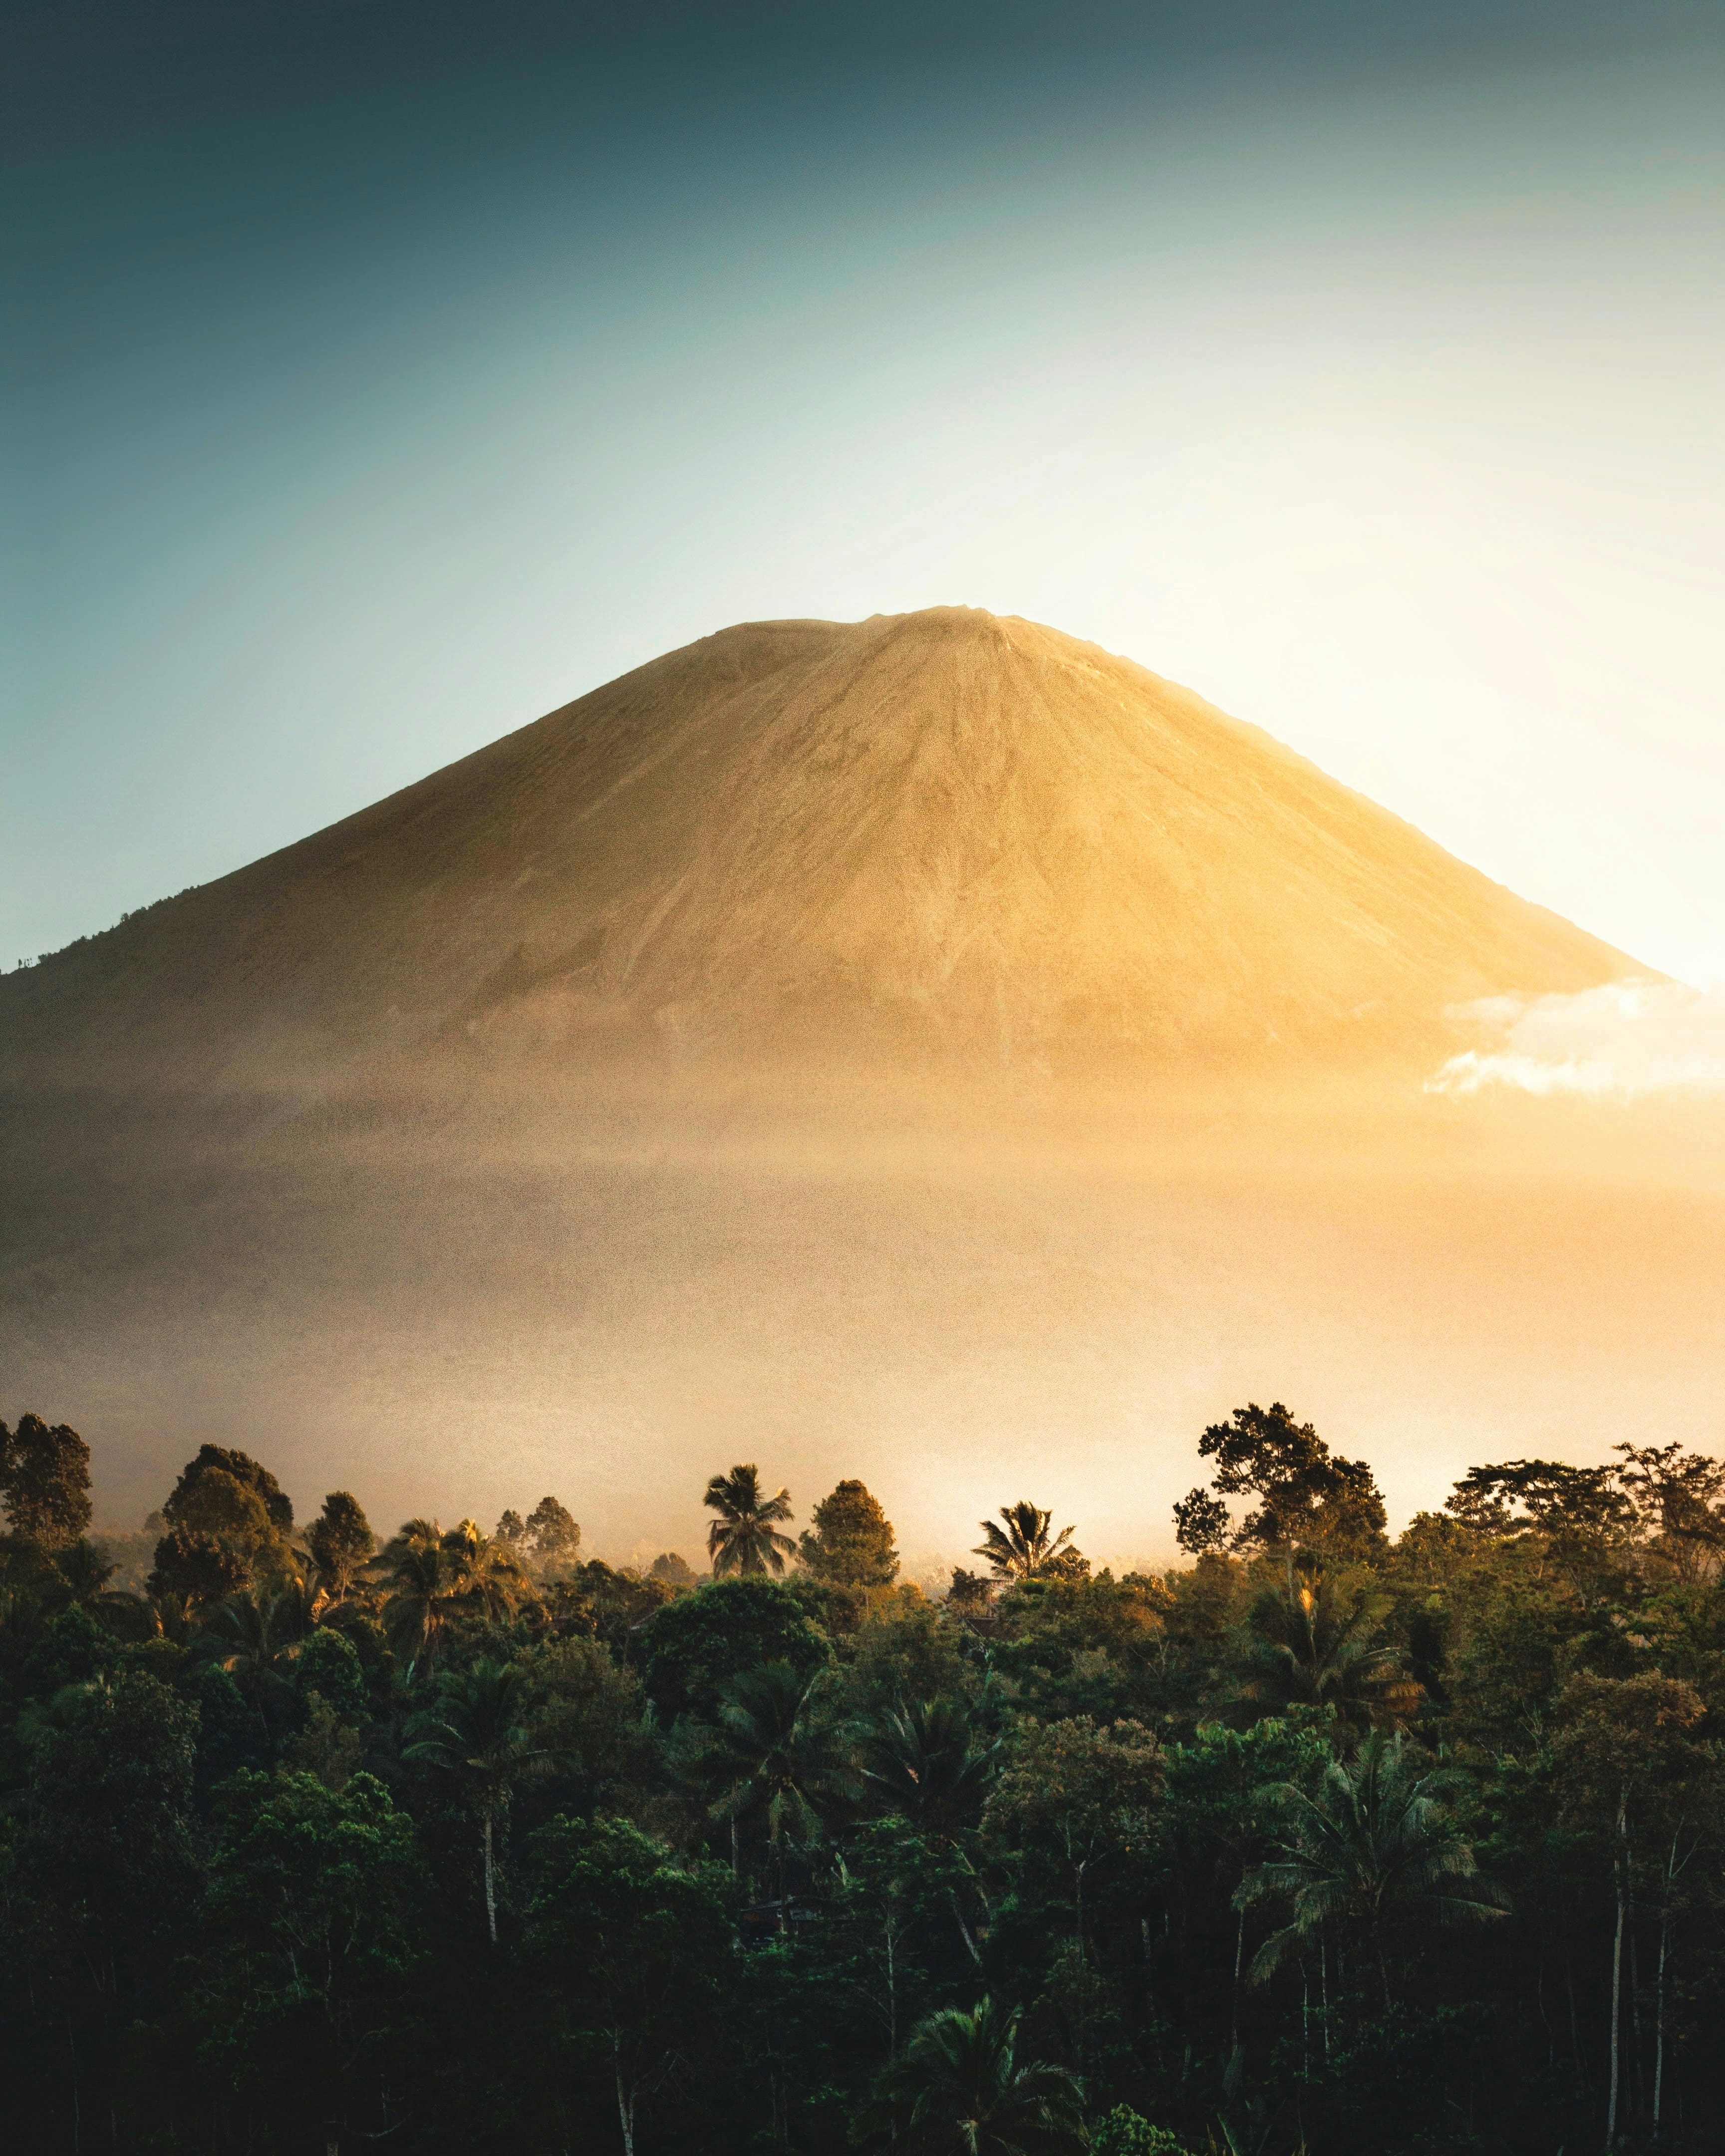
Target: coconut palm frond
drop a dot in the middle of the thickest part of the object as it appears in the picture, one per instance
(745, 1539)
(1374, 1846)
(1023, 1546)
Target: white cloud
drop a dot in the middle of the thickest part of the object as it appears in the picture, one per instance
(1628, 1039)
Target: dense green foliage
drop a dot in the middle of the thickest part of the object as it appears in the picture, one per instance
(45, 1482)
(1327, 1841)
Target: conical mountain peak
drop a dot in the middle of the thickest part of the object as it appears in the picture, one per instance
(946, 828)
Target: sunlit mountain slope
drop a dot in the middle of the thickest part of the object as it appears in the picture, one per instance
(935, 830)
(928, 1048)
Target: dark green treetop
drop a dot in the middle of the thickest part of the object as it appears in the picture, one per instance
(340, 1541)
(629, 1947)
(238, 1467)
(850, 1544)
(552, 1537)
(697, 1643)
(45, 1482)
(1308, 1495)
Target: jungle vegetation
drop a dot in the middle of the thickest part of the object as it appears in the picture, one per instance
(449, 1839)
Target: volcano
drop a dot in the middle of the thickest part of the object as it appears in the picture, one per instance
(928, 1048)
(940, 832)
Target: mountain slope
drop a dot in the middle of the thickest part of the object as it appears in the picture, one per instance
(289, 1165)
(940, 829)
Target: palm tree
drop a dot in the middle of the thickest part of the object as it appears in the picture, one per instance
(430, 1577)
(339, 1543)
(85, 1568)
(483, 1572)
(1026, 1550)
(255, 1638)
(169, 1616)
(927, 1763)
(778, 1751)
(745, 1539)
(960, 2088)
(1375, 1842)
(419, 1593)
(478, 1729)
(1315, 1642)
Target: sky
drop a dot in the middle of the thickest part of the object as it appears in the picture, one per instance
(379, 378)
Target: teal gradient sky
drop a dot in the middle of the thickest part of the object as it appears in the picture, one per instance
(382, 378)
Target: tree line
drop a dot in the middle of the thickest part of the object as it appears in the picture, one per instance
(1322, 1840)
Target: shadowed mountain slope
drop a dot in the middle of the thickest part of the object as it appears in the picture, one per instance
(935, 831)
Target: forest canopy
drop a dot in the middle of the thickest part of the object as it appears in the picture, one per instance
(448, 1838)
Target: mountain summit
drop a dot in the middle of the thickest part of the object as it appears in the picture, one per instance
(822, 1043)
(945, 830)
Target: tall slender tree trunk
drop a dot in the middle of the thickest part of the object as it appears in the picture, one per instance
(491, 1879)
(1581, 2073)
(1664, 1934)
(1665, 1923)
(1618, 1868)
(964, 1928)
(625, 2102)
(111, 2007)
(891, 1993)
(1239, 1955)
(1638, 2047)
(1323, 1979)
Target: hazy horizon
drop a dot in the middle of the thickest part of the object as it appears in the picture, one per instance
(613, 1312)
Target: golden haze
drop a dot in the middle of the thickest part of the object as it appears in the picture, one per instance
(929, 1049)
